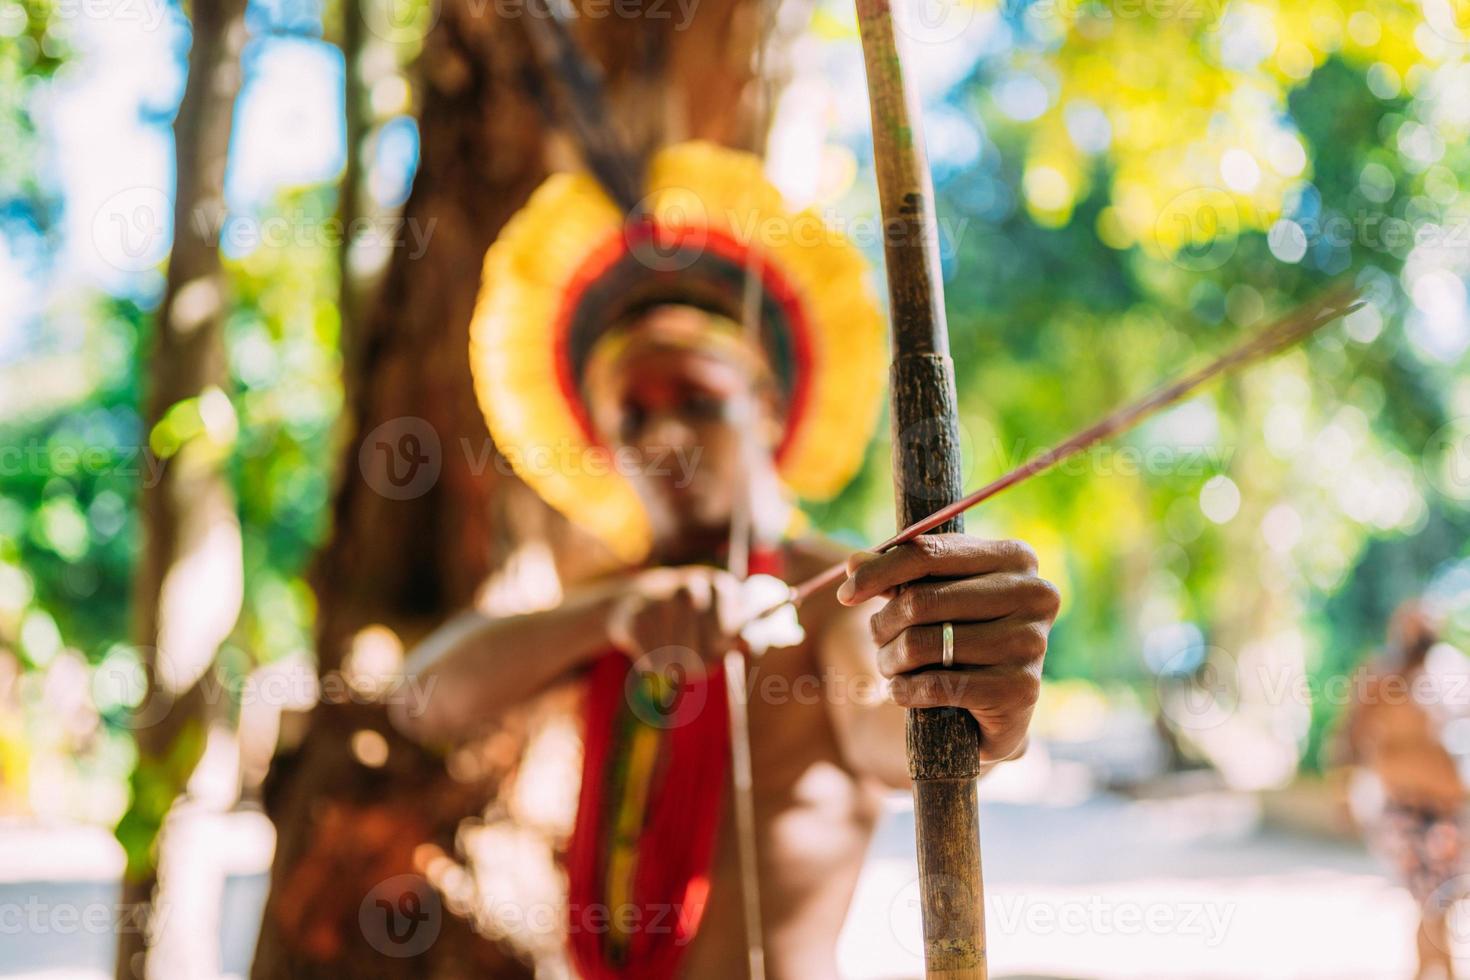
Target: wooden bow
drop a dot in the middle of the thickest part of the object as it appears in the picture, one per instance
(943, 743)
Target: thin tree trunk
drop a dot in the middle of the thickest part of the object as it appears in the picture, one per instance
(349, 197)
(424, 514)
(188, 591)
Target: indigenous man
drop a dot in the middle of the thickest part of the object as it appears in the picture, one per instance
(626, 345)
(1402, 702)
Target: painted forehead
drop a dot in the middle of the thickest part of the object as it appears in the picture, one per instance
(680, 342)
(666, 357)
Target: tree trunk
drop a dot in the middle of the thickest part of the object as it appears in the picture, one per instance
(188, 588)
(423, 514)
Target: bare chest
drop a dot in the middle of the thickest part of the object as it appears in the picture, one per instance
(813, 824)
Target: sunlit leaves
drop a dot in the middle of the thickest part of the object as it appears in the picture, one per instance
(1187, 100)
(207, 420)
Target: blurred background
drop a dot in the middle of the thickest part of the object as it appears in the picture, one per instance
(239, 245)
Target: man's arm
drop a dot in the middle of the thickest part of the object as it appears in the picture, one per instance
(868, 724)
(474, 668)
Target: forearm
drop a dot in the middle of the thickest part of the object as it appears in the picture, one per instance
(869, 727)
(874, 744)
(473, 669)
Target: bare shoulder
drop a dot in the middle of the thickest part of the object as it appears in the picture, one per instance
(810, 554)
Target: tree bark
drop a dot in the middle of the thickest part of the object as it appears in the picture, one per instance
(424, 514)
(187, 592)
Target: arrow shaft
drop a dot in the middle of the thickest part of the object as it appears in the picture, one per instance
(1286, 332)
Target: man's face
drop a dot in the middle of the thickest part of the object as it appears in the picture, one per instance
(694, 426)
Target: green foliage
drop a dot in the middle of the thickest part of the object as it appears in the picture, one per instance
(68, 500)
(284, 336)
(154, 785)
(68, 515)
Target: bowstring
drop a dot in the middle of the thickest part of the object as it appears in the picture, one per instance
(742, 532)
